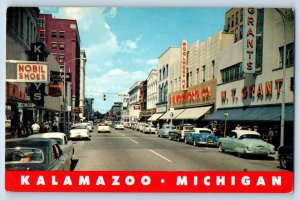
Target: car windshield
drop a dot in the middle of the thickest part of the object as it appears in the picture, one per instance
(24, 155)
(250, 136)
(170, 127)
(79, 127)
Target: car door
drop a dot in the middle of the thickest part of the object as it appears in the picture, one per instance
(232, 141)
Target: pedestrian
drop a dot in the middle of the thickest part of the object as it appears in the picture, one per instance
(238, 127)
(270, 135)
(35, 128)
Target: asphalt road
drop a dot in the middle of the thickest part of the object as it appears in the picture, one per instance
(129, 150)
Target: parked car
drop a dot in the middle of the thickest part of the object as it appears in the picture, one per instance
(164, 130)
(286, 156)
(149, 128)
(62, 140)
(201, 136)
(103, 128)
(245, 142)
(79, 131)
(119, 126)
(180, 132)
(39, 154)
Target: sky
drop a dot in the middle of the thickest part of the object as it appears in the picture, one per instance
(123, 44)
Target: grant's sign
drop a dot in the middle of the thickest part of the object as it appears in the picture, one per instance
(249, 40)
(27, 72)
(183, 64)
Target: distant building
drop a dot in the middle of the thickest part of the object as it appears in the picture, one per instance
(88, 108)
(134, 105)
(143, 101)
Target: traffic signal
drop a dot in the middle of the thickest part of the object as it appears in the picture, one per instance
(104, 97)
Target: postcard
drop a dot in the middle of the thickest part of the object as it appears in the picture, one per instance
(141, 99)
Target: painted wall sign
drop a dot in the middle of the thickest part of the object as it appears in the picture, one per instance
(249, 39)
(183, 64)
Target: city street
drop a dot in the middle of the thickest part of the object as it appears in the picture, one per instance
(134, 151)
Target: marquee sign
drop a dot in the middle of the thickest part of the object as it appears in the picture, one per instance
(249, 40)
(32, 72)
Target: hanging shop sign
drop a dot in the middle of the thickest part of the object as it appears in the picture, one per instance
(249, 39)
(60, 76)
(183, 64)
(32, 72)
(37, 93)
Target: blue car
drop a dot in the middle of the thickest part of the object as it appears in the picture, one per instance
(201, 136)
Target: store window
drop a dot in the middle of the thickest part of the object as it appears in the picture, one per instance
(290, 55)
(232, 73)
(236, 18)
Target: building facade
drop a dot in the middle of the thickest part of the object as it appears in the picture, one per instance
(133, 104)
(82, 84)
(63, 40)
(255, 100)
(152, 91)
(234, 23)
(164, 65)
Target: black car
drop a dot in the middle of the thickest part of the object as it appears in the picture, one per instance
(35, 154)
(286, 156)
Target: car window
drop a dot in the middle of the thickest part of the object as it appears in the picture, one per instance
(24, 154)
(205, 131)
(188, 128)
(250, 136)
(58, 140)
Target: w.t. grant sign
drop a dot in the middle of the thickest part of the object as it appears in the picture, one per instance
(204, 93)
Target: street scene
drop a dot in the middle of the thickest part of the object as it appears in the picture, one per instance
(104, 89)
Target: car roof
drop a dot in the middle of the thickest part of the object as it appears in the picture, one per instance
(48, 135)
(28, 142)
(245, 132)
(202, 129)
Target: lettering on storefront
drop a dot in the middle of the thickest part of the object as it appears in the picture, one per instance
(183, 64)
(261, 90)
(14, 92)
(249, 45)
(32, 72)
(201, 94)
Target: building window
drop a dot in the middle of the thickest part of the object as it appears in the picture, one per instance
(232, 73)
(241, 15)
(197, 76)
(203, 73)
(42, 33)
(61, 46)
(187, 78)
(54, 45)
(160, 74)
(41, 22)
(191, 78)
(167, 68)
(228, 24)
(236, 18)
(213, 68)
(61, 34)
(53, 34)
(232, 21)
(290, 55)
(241, 32)
(61, 58)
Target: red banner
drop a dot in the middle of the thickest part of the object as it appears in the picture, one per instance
(152, 181)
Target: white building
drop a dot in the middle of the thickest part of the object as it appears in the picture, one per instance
(82, 83)
(133, 105)
(152, 90)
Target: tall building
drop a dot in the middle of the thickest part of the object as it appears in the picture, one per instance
(234, 23)
(63, 41)
(144, 115)
(152, 91)
(133, 104)
(82, 84)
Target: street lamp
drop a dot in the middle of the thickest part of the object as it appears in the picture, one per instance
(226, 114)
(64, 94)
(283, 16)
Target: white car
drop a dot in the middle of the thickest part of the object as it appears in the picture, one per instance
(119, 126)
(148, 128)
(103, 128)
(79, 131)
(61, 138)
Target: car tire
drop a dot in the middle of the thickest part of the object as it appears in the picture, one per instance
(283, 162)
(220, 148)
(158, 135)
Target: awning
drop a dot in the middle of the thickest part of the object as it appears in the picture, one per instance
(155, 116)
(167, 115)
(193, 113)
(262, 113)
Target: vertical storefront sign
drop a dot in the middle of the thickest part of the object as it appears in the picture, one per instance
(37, 93)
(249, 40)
(183, 64)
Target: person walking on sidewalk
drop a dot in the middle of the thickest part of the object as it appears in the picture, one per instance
(35, 128)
